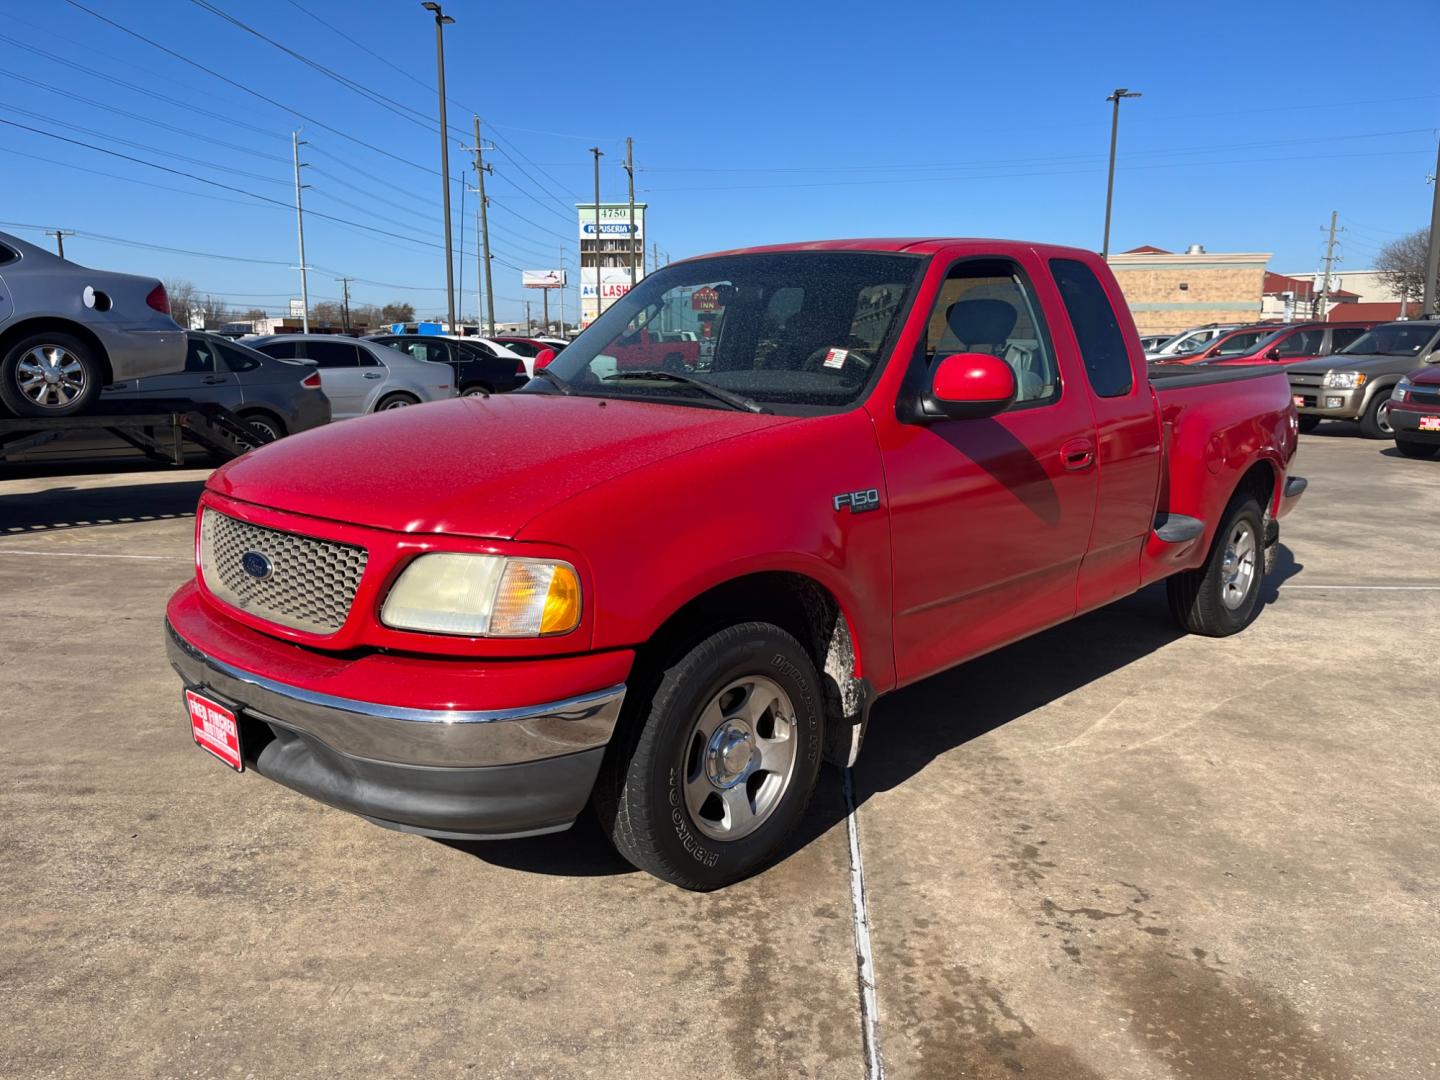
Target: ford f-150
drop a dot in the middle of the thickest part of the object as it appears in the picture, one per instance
(675, 591)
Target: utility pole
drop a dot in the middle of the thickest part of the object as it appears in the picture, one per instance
(480, 170)
(60, 235)
(562, 293)
(655, 256)
(598, 155)
(1432, 255)
(1324, 298)
(630, 236)
(529, 328)
(345, 309)
(1118, 96)
(441, 20)
(295, 144)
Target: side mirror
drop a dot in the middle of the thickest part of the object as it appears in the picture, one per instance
(543, 358)
(1273, 354)
(970, 386)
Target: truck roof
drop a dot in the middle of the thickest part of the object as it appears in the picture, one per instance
(922, 245)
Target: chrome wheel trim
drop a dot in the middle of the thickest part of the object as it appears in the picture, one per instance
(263, 427)
(1382, 418)
(396, 403)
(740, 758)
(51, 376)
(1237, 567)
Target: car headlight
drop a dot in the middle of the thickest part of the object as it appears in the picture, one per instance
(1343, 380)
(484, 596)
(1401, 389)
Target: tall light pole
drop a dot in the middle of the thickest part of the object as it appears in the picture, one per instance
(598, 155)
(1432, 253)
(1118, 96)
(295, 144)
(441, 19)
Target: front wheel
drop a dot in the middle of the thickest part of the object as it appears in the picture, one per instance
(50, 374)
(395, 401)
(712, 773)
(1217, 599)
(1375, 424)
(1419, 450)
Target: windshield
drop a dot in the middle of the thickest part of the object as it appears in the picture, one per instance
(1243, 342)
(797, 331)
(1394, 339)
(1188, 342)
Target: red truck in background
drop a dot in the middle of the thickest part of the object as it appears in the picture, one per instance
(676, 590)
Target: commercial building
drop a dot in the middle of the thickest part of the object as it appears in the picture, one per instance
(1168, 291)
(608, 255)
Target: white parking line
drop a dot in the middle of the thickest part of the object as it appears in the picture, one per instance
(1367, 588)
(93, 555)
(864, 959)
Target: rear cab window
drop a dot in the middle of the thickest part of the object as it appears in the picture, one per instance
(1097, 329)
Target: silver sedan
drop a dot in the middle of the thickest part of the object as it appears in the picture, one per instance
(66, 331)
(361, 376)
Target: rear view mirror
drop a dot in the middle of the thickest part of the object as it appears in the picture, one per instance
(543, 358)
(970, 386)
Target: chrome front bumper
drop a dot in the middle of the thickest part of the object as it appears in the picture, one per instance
(413, 737)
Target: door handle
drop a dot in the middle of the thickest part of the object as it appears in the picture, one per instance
(212, 380)
(373, 375)
(1078, 454)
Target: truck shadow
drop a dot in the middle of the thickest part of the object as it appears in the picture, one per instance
(910, 728)
(67, 507)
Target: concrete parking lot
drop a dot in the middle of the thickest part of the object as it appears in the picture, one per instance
(1107, 852)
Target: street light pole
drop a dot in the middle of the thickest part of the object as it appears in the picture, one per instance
(1118, 96)
(295, 143)
(598, 155)
(441, 19)
(1432, 254)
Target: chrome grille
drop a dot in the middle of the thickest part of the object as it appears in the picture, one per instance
(1298, 378)
(311, 583)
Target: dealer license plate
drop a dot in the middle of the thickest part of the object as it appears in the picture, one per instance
(1430, 423)
(1299, 402)
(215, 729)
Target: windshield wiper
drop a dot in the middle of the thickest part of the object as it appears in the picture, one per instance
(555, 380)
(734, 400)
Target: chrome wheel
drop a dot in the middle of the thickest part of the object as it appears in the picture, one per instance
(739, 758)
(262, 427)
(51, 376)
(1382, 419)
(1237, 569)
(395, 403)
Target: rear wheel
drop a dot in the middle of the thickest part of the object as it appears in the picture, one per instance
(1375, 424)
(268, 427)
(1218, 598)
(711, 772)
(50, 374)
(1412, 449)
(1308, 423)
(395, 401)
(476, 390)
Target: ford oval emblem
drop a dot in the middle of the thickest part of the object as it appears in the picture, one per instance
(256, 565)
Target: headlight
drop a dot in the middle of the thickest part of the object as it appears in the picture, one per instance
(484, 596)
(1401, 389)
(1343, 380)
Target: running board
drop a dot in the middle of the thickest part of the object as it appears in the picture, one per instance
(1178, 528)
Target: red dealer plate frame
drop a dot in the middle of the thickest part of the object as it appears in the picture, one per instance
(1430, 423)
(1299, 401)
(215, 728)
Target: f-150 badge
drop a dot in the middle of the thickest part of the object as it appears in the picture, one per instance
(857, 502)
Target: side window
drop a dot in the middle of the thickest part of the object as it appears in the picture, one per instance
(1342, 336)
(482, 348)
(280, 350)
(1097, 330)
(238, 359)
(8, 255)
(332, 354)
(984, 306)
(366, 357)
(200, 357)
(1303, 343)
(438, 352)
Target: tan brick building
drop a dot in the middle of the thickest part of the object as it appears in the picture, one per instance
(1169, 291)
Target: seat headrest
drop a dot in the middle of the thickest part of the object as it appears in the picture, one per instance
(981, 322)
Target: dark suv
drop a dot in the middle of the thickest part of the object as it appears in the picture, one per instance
(477, 369)
(1356, 383)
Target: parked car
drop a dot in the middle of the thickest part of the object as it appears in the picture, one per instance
(275, 397)
(1414, 413)
(1356, 383)
(522, 348)
(362, 376)
(1229, 344)
(1151, 342)
(478, 370)
(1295, 342)
(67, 331)
(458, 621)
(1188, 341)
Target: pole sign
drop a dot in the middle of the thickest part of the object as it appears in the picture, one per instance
(614, 221)
(542, 279)
(705, 299)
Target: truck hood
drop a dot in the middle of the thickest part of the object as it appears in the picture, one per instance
(1369, 362)
(471, 466)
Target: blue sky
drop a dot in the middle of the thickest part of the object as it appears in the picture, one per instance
(753, 122)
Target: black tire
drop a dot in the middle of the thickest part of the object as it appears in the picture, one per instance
(1308, 423)
(640, 794)
(267, 425)
(1418, 450)
(1373, 424)
(81, 365)
(1197, 597)
(395, 401)
(476, 390)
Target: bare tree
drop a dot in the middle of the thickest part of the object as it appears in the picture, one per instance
(212, 309)
(182, 299)
(327, 313)
(1402, 264)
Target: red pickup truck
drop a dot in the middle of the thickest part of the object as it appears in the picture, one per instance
(674, 592)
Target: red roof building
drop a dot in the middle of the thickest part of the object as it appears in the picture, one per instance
(1375, 312)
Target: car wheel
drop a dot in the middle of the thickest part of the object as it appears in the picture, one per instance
(268, 427)
(1375, 424)
(711, 772)
(50, 375)
(1308, 424)
(395, 401)
(1412, 449)
(1218, 598)
(476, 391)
